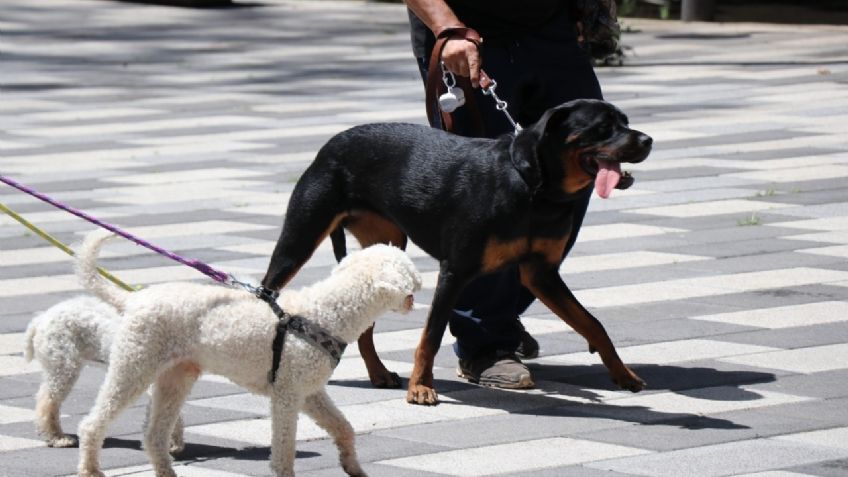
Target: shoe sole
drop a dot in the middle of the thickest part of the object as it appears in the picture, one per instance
(524, 382)
(523, 357)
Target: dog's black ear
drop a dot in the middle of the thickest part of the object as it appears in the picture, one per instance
(552, 119)
(531, 143)
(523, 152)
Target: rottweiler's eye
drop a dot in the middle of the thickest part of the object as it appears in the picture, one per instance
(603, 131)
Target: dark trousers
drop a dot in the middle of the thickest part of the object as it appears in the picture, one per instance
(533, 74)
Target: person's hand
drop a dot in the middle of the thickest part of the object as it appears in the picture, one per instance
(461, 57)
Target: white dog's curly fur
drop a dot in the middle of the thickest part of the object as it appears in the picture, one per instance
(170, 333)
(64, 339)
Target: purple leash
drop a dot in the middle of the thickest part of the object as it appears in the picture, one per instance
(316, 335)
(203, 268)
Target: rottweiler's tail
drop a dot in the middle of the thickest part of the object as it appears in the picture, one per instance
(88, 275)
(337, 236)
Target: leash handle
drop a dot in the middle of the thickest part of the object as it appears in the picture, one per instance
(434, 87)
(203, 268)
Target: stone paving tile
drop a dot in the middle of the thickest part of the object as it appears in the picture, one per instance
(191, 127)
(812, 359)
(777, 297)
(832, 410)
(519, 456)
(799, 337)
(773, 473)
(686, 433)
(823, 385)
(832, 468)
(722, 459)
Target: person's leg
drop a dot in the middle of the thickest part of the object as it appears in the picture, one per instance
(532, 80)
(566, 77)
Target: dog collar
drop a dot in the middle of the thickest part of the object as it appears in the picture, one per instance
(312, 333)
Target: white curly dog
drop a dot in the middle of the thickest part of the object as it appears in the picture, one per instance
(64, 339)
(171, 333)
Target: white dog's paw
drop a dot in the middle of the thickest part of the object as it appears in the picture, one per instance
(91, 473)
(176, 447)
(282, 470)
(62, 441)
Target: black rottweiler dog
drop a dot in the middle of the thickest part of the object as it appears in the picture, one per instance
(476, 205)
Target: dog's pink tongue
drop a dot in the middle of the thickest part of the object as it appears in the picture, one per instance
(609, 173)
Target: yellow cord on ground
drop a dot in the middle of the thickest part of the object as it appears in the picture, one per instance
(60, 245)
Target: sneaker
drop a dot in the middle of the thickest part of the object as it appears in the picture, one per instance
(498, 370)
(528, 348)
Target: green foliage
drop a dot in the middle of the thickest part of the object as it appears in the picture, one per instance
(754, 219)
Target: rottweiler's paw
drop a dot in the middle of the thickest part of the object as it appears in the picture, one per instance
(386, 380)
(420, 394)
(354, 470)
(630, 381)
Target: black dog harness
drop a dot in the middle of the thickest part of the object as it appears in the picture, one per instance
(299, 325)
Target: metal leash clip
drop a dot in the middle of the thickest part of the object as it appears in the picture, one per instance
(500, 104)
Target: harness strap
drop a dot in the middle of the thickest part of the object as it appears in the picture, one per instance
(314, 334)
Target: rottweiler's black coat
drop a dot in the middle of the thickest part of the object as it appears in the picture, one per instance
(476, 205)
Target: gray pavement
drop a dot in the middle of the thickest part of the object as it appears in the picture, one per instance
(721, 275)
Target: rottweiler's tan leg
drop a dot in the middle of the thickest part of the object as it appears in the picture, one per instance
(378, 374)
(450, 284)
(370, 228)
(421, 390)
(546, 284)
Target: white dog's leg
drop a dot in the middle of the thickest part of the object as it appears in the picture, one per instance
(128, 376)
(177, 441)
(58, 381)
(284, 409)
(169, 393)
(321, 409)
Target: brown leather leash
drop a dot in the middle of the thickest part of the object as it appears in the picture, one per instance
(435, 87)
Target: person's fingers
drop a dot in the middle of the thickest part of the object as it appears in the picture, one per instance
(454, 57)
(461, 57)
(474, 65)
(485, 81)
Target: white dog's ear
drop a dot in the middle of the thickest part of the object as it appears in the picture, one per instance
(389, 286)
(395, 282)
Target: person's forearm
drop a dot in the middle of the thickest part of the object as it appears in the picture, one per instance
(459, 55)
(436, 14)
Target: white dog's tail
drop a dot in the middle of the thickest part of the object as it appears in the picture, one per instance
(87, 272)
(29, 337)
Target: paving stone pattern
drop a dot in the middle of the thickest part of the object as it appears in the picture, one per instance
(721, 276)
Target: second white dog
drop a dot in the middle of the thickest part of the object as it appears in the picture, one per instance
(65, 338)
(173, 332)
